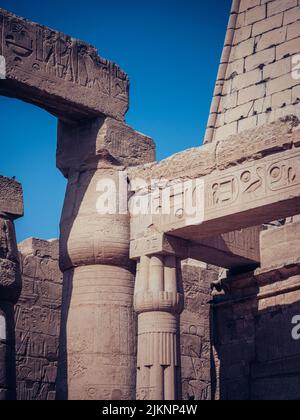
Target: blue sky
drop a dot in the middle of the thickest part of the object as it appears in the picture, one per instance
(170, 50)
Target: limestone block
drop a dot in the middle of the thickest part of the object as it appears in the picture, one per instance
(280, 246)
(11, 198)
(247, 195)
(65, 76)
(79, 143)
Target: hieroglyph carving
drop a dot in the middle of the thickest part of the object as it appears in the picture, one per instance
(58, 64)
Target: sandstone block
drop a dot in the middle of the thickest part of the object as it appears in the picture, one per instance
(267, 24)
(291, 16)
(65, 76)
(280, 245)
(80, 143)
(279, 6)
(261, 58)
(11, 198)
(259, 142)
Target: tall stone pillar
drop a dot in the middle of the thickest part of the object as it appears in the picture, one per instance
(158, 303)
(11, 207)
(98, 336)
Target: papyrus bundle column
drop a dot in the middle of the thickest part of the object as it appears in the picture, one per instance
(98, 336)
(158, 304)
(11, 207)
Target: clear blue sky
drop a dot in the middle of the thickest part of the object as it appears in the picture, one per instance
(170, 50)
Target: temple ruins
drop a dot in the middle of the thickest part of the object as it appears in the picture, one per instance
(188, 286)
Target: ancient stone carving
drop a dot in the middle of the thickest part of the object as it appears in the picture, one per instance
(96, 362)
(79, 143)
(59, 73)
(37, 319)
(11, 207)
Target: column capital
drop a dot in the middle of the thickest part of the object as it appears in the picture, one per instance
(84, 143)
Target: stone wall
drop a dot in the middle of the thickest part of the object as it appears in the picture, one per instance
(256, 356)
(258, 80)
(37, 319)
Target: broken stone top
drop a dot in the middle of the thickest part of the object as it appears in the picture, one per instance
(11, 198)
(40, 248)
(61, 74)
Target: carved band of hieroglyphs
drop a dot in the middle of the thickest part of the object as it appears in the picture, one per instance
(61, 56)
(252, 185)
(253, 182)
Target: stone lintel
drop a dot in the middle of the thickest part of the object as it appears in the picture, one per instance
(61, 74)
(249, 146)
(247, 195)
(11, 198)
(237, 250)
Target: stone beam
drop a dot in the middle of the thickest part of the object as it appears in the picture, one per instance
(242, 182)
(235, 250)
(248, 195)
(61, 74)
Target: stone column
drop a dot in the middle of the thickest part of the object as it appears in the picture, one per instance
(158, 303)
(11, 207)
(98, 336)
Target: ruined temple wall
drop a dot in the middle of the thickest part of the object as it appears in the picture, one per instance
(37, 319)
(257, 357)
(258, 80)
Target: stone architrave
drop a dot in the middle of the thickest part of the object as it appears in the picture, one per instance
(65, 76)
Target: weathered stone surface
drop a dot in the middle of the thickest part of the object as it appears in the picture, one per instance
(37, 319)
(255, 351)
(59, 73)
(190, 163)
(11, 198)
(257, 143)
(195, 331)
(280, 246)
(258, 68)
(94, 257)
(80, 143)
(250, 194)
(10, 282)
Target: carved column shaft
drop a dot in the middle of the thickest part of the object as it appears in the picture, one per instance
(158, 304)
(98, 336)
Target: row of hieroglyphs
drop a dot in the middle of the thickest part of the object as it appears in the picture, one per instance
(49, 53)
(272, 179)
